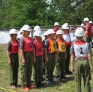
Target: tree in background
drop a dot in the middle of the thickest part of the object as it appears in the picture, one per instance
(15, 13)
(20, 12)
(73, 11)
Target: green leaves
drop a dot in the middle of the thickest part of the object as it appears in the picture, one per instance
(16, 13)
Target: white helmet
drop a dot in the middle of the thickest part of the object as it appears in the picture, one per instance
(13, 31)
(37, 33)
(26, 28)
(65, 26)
(82, 25)
(86, 19)
(79, 32)
(90, 22)
(50, 31)
(37, 28)
(59, 32)
(45, 33)
(56, 23)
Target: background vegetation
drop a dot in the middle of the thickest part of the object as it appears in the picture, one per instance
(15, 13)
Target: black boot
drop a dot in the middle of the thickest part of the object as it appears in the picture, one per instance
(41, 84)
(37, 84)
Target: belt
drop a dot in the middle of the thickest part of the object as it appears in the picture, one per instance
(14, 53)
(81, 59)
(28, 52)
(52, 53)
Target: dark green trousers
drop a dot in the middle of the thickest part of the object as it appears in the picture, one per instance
(82, 70)
(26, 69)
(38, 69)
(60, 64)
(68, 58)
(50, 66)
(89, 38)
(44, 66)
(14, 69)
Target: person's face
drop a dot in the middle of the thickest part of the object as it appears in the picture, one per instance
(14, 36)
(38, 38)
(65, 31)
(59, 36)
(57, 26)
(52, 36)
(27, 33)
(85, 22)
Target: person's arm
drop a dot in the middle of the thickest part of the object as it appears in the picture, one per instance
(8, 56)
(86, 31)
(72, 63)
(8, 52)
(90, 56)
(34, 53)
(90, 61)
(72, 58)
(45, 46)
(22, 51)
(46, 57)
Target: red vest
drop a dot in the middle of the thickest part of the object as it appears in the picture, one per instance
(14, 46)
(89, 29)
(28, 44)
(84, 28)
(68, 43)
(52, 47)
(38, 48)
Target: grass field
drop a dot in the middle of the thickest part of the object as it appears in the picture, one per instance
(62, 86)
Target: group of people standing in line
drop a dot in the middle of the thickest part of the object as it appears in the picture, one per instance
(54, 52)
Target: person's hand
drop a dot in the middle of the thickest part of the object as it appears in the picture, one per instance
(90, 68)
(46, 58)
(9, 62)
(57, 58)
(34, 59)
(72, 69)
(23, 61)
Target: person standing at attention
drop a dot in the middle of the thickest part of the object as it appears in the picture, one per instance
(50, 53)
(81, 60)
(88, 32)
(38, 45)
(13, 60)
(67, 39)
(28, 56)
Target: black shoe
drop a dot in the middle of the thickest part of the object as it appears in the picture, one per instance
(63, 77)
(53, 81)
(41, 84)
(37, 85)
(68, 72)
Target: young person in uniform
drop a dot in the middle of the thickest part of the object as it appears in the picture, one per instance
(88, 32)
(39, 57)
(81, 60)
(28, 56)
(61, 46)
(67, 39)
(44, 61)
(50, 52)
(56, 27)
(13, 60)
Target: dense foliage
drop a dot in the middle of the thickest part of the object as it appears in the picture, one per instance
(15, 13)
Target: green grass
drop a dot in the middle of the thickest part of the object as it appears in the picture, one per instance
(62, 86)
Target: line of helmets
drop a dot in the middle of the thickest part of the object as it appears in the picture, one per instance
(37, 30)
